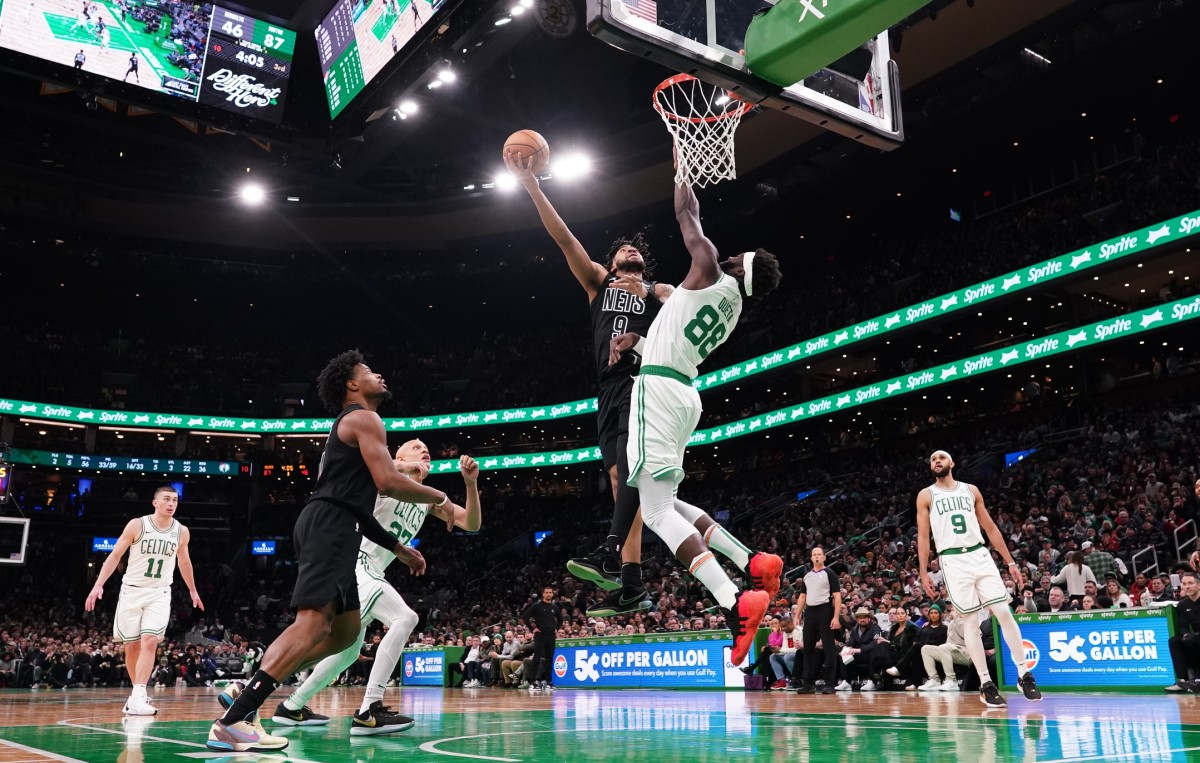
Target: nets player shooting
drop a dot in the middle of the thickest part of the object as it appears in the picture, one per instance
(381, 602)
(621, 301)
(355, 468)
(699, 317)
(155, 543)
(955, 515)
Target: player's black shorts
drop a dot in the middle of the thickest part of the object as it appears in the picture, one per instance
(612, 418)
(327, 538)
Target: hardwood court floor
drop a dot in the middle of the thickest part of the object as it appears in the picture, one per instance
(627, 726)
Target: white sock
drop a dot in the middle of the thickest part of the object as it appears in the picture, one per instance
(387, 655)
(1012, 637)
(974, 642)
(139, 690)
(706, 569)
(720, 540)
(324, 673)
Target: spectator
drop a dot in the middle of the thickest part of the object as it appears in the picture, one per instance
(862, 647)
(783, 660)
(1058, 601)
(762, 663)
(1112, 589)
(1074, 573)
(902, 639)
(1185, 644)
(1100, 562)
(951, 652)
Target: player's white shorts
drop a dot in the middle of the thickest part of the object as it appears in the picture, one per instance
(379, 601)
(141, 611)
(972, 580)
(662, 418)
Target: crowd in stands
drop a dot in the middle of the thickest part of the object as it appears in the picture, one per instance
(1122, 478)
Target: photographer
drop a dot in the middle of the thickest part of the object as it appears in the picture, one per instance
(1185, 644)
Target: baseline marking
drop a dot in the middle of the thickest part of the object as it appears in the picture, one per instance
(38, 751)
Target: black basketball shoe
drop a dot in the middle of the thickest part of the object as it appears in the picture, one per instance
(1029, 688)
(602, 567)
(621, 602)
(991, 696)
(379, 719)
(302, 717)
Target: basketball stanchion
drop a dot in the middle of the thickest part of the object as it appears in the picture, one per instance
(702, 119)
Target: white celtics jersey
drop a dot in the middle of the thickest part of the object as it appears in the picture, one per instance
(401, 519)
(952, 521)
(692, 324)
(152, 556)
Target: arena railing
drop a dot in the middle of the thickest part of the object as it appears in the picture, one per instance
(1004, 358)
(1126, 245)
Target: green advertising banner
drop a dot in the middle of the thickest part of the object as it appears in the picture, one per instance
(1070, 340)
(1123, 246)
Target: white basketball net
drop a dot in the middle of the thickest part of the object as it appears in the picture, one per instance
(701, 119)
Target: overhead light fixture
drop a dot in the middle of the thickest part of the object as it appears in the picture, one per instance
(408, 106)
(516, 10)
(253, 194)
(503, 20)
(505, 181)
(470, 187)
(435, 84)
(446, 75)
(572, 166)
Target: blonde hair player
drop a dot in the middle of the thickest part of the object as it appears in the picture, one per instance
(381, 602)
(955, 515)
(155, 543)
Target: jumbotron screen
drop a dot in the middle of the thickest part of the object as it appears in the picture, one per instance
(196, 51)
(359, 37)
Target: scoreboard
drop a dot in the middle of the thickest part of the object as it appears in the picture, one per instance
(196, 52)
(247, 65)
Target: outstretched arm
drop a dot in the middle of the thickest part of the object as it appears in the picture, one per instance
(589, 273)
(452, 514)
(704, 271)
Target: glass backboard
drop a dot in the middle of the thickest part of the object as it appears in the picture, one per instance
(857, 96)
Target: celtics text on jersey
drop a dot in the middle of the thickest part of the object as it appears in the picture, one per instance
(952, 520)
(152, 556)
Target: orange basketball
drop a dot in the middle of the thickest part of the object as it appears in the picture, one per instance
(525, 143)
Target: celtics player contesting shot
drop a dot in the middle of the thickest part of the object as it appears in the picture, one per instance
(381, 602)
(155, 543)
(955, 515)
(698, 318)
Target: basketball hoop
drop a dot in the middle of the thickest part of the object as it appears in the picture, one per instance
(701, 119)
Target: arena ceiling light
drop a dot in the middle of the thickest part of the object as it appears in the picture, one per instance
(252, 194)
(446, 75)
(572, 166)
(505, 181)
(408, 106)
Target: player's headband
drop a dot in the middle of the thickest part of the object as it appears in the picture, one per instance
(748, 280)
(947, 455)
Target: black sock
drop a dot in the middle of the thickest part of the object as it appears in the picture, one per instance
(631, 575)
(253, 695)
(612, 543)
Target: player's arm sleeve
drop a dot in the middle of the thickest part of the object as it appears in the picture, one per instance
(374, 532)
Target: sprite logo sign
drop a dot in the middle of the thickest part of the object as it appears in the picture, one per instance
(970, 297)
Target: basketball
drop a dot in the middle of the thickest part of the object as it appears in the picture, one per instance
(529, 143)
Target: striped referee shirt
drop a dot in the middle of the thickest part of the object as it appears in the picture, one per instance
(818, 587)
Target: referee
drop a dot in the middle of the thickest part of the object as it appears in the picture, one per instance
(821, 594)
